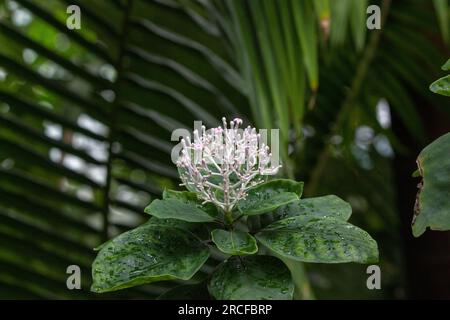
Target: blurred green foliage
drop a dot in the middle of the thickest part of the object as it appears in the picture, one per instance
(86, 117)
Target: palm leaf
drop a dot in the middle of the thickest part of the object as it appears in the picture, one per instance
(156, 70)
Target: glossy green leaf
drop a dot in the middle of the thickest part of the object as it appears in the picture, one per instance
(234, 242)
(432, 207)
(192, 198)
(267, 204)
(147, 254)
(177, 209)
(198, 229)
(252, 278)
(323, 207)
(270, 195)
(446, 66)
(322, 240)
(441, 86)
(181, 195)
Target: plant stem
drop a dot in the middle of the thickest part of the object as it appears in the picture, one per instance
(228, 217)
(302, 290)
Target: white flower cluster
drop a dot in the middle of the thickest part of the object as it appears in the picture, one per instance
(222, 163)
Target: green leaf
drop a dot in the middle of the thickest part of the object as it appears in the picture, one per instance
(432, 207)
(147, 254)
(76, 37)
(446, 66)
(322, 207)
(268, 204)
(252, 278)
(322, 8)
(198, 229)
(180, 195)
(307, 36)
(100, 247)
(270, 195)
(358, 18)
(340, 16)
(441, 7)
(441, 86)
(190, 197)
(234, 242)
(177, 209)
(322, 240)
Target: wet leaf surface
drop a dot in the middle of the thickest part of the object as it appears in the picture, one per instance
(191, 197)
(441, 86)
(178, 209)
(322, 240)
(146, 254)
(234, 242)
(252, 278)
(325, 206)
(270, 195)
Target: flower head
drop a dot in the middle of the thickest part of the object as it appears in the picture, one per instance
(222, 163)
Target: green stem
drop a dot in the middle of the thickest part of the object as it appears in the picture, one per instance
(303, 290)
(228, 218)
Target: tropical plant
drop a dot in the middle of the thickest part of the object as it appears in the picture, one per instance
(432, 208)
(442, 85)
(86, 117)
(232, 209)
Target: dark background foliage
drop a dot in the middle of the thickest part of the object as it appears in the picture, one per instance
(86, 119)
